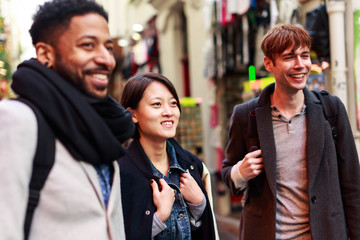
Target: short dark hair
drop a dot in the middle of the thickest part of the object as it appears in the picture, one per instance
(282, 36)
(135, 87)
(53, 17)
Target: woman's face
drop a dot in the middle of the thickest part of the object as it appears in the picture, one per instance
(157, 114)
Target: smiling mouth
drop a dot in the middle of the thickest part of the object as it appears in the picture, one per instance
(100, 80)
(298, 76)
(100, 76)
(168, 123)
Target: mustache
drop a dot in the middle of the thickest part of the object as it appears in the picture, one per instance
(100, 69)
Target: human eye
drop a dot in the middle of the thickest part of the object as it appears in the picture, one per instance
(156, 104)
(305, 55)
(288, 57)
(173, 103)
(110, 47)
(87, 45)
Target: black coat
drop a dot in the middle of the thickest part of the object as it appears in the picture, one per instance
(136, 192)
(333, 182)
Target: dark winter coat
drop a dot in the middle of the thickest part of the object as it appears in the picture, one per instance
(333, 182)
(136, 191)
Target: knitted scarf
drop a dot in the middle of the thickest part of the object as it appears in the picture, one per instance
(91, 129)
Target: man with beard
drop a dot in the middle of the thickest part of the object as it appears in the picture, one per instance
(67, 84)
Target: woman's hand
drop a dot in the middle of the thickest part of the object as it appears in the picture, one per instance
(190, 189)
(163, 197)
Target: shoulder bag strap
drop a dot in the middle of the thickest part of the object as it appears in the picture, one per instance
(43, 161)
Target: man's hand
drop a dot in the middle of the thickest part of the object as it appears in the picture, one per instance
(252, 165)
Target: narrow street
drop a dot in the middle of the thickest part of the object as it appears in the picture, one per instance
(228, 227)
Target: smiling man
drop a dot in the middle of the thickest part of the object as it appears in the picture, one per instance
(298, 184)
(66, 87)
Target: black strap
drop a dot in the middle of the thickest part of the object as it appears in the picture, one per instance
(43, 161)
(253, 137)
(254, 144)
(328, 103)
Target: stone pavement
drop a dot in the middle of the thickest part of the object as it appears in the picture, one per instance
(228, 227)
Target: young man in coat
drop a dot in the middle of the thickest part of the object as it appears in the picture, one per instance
(67, 83)
(297, 183)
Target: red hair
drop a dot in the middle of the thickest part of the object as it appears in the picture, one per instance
(283, 36)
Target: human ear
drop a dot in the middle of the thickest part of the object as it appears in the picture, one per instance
(133, 117)
(268, 64)
(45, 54)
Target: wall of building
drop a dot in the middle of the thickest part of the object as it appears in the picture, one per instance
(123, 14)
(200, 86)
(351, 6)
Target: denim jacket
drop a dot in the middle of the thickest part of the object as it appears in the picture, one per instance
(136, 174)
(178, 224)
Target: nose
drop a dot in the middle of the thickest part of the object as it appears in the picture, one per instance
(105, 57)
(167, 111)
(299, 62)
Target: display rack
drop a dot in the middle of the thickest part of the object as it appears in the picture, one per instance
(189, 132)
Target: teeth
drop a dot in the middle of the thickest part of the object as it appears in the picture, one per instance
(298, 75)
(167, 123)
(100, 76)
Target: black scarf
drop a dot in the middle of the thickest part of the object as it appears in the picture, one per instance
(91, 129)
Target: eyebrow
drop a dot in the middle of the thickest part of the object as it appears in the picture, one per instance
(95, 38)
(293, 53)
(162, 98)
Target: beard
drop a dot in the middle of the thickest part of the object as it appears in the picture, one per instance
(71, 76)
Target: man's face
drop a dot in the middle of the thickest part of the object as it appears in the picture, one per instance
(291, 68)
(83, 54)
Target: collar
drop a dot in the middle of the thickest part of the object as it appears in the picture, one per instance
(140, 160)
(264, 97)
(276, 112)
(173, 159)
(174, 164)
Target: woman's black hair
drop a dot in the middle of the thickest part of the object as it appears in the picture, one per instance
(135, 87)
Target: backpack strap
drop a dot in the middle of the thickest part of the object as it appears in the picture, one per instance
(43, 161)
(328, 103)
(254, 144)
(252, 127)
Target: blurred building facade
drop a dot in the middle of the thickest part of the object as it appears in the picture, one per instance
(205, 47)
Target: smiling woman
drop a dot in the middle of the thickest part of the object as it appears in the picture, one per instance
(158, 114)
(159, 170)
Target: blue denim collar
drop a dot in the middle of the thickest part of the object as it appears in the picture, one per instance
(176, 227)
(174, 164)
